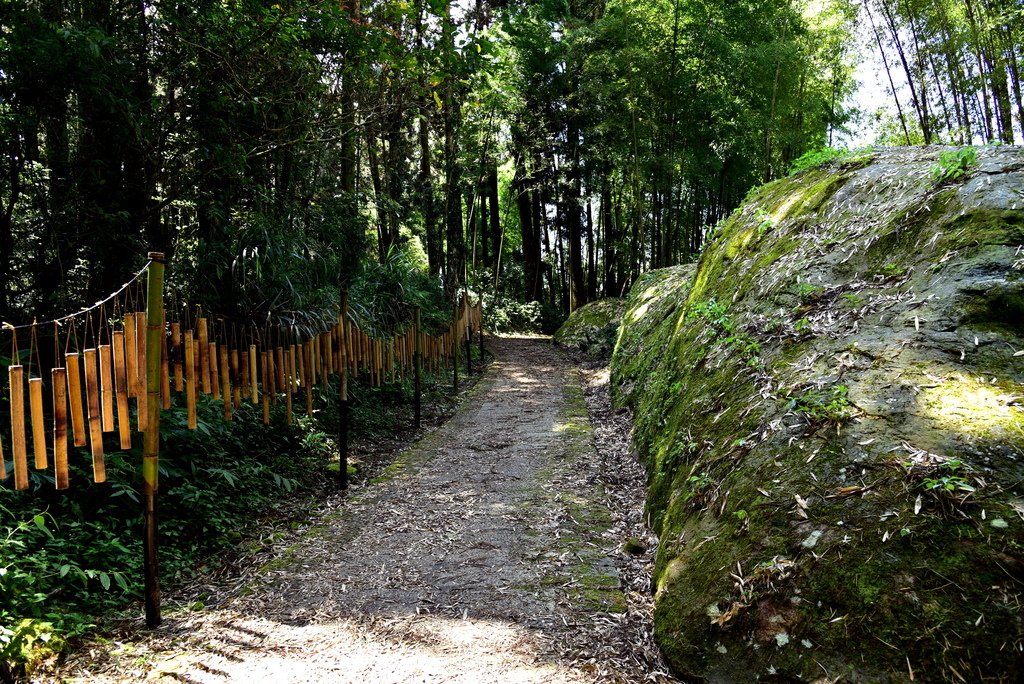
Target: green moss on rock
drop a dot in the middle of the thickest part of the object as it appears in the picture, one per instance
(829, 409)
(593, 328)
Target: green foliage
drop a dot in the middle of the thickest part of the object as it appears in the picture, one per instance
(830, 405)
(948, 479)
(954, 164)
(812, 159)
(506, 315)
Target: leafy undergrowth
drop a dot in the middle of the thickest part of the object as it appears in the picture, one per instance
(71, 562)
(829, 410)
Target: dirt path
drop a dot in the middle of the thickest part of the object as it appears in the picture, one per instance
(490, 552)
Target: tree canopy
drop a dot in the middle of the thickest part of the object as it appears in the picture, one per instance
(549, 150)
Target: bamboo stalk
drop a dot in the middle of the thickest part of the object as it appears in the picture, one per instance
(3, 464)
(75, 392)
(35, 395)
(124, 424)
(19, 451)
(60, 426)
(92, 394)
(106, 388)
(191, 379)
(165, 368)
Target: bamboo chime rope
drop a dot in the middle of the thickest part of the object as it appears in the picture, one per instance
(97, 386)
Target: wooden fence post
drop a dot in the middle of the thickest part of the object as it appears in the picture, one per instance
(343, 404)
(151, 439)
(416, 363)
(455, 334)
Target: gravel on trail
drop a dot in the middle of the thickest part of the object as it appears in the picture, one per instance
(506, 546)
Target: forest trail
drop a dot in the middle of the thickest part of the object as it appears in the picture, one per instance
(491, 551)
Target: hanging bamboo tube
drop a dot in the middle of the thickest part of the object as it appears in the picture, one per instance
(191, 379)
(19, 451)
(279, 367)
(72, 362)
(141, 354)
(165, 368)
(92, 394)
(60, 426)
(204, 356)
(253, 386)
(309, 347)
(35, 396)
(243, 375)
(179, 376)
(237, 379)
(289, 360)
(314, 364)
(225, 382)
(267, 377)
(270, 385)
(131, 359)
(124, 424)
(330, 352)
(211, 353)
(106, 387)
(299, 365)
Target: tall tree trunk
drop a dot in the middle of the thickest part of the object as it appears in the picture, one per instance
(591, 254)
(495, 208)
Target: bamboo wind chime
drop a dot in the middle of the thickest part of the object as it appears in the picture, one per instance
(83, 388)
(98, 383)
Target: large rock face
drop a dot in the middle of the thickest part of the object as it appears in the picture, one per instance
(591, 330)
(830, 408)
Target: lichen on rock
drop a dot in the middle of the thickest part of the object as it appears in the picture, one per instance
(831, 410)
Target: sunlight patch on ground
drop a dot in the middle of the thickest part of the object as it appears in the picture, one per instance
(974, 406)
(423, 648)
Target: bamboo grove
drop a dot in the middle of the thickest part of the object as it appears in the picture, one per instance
(549, 150)
(98, 384)
(953, 69)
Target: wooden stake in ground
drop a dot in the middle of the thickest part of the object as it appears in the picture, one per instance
(416, 370)
(344, 349)
(151, 440)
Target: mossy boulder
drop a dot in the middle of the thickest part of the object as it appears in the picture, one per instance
(593, 328)
(831, 410)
